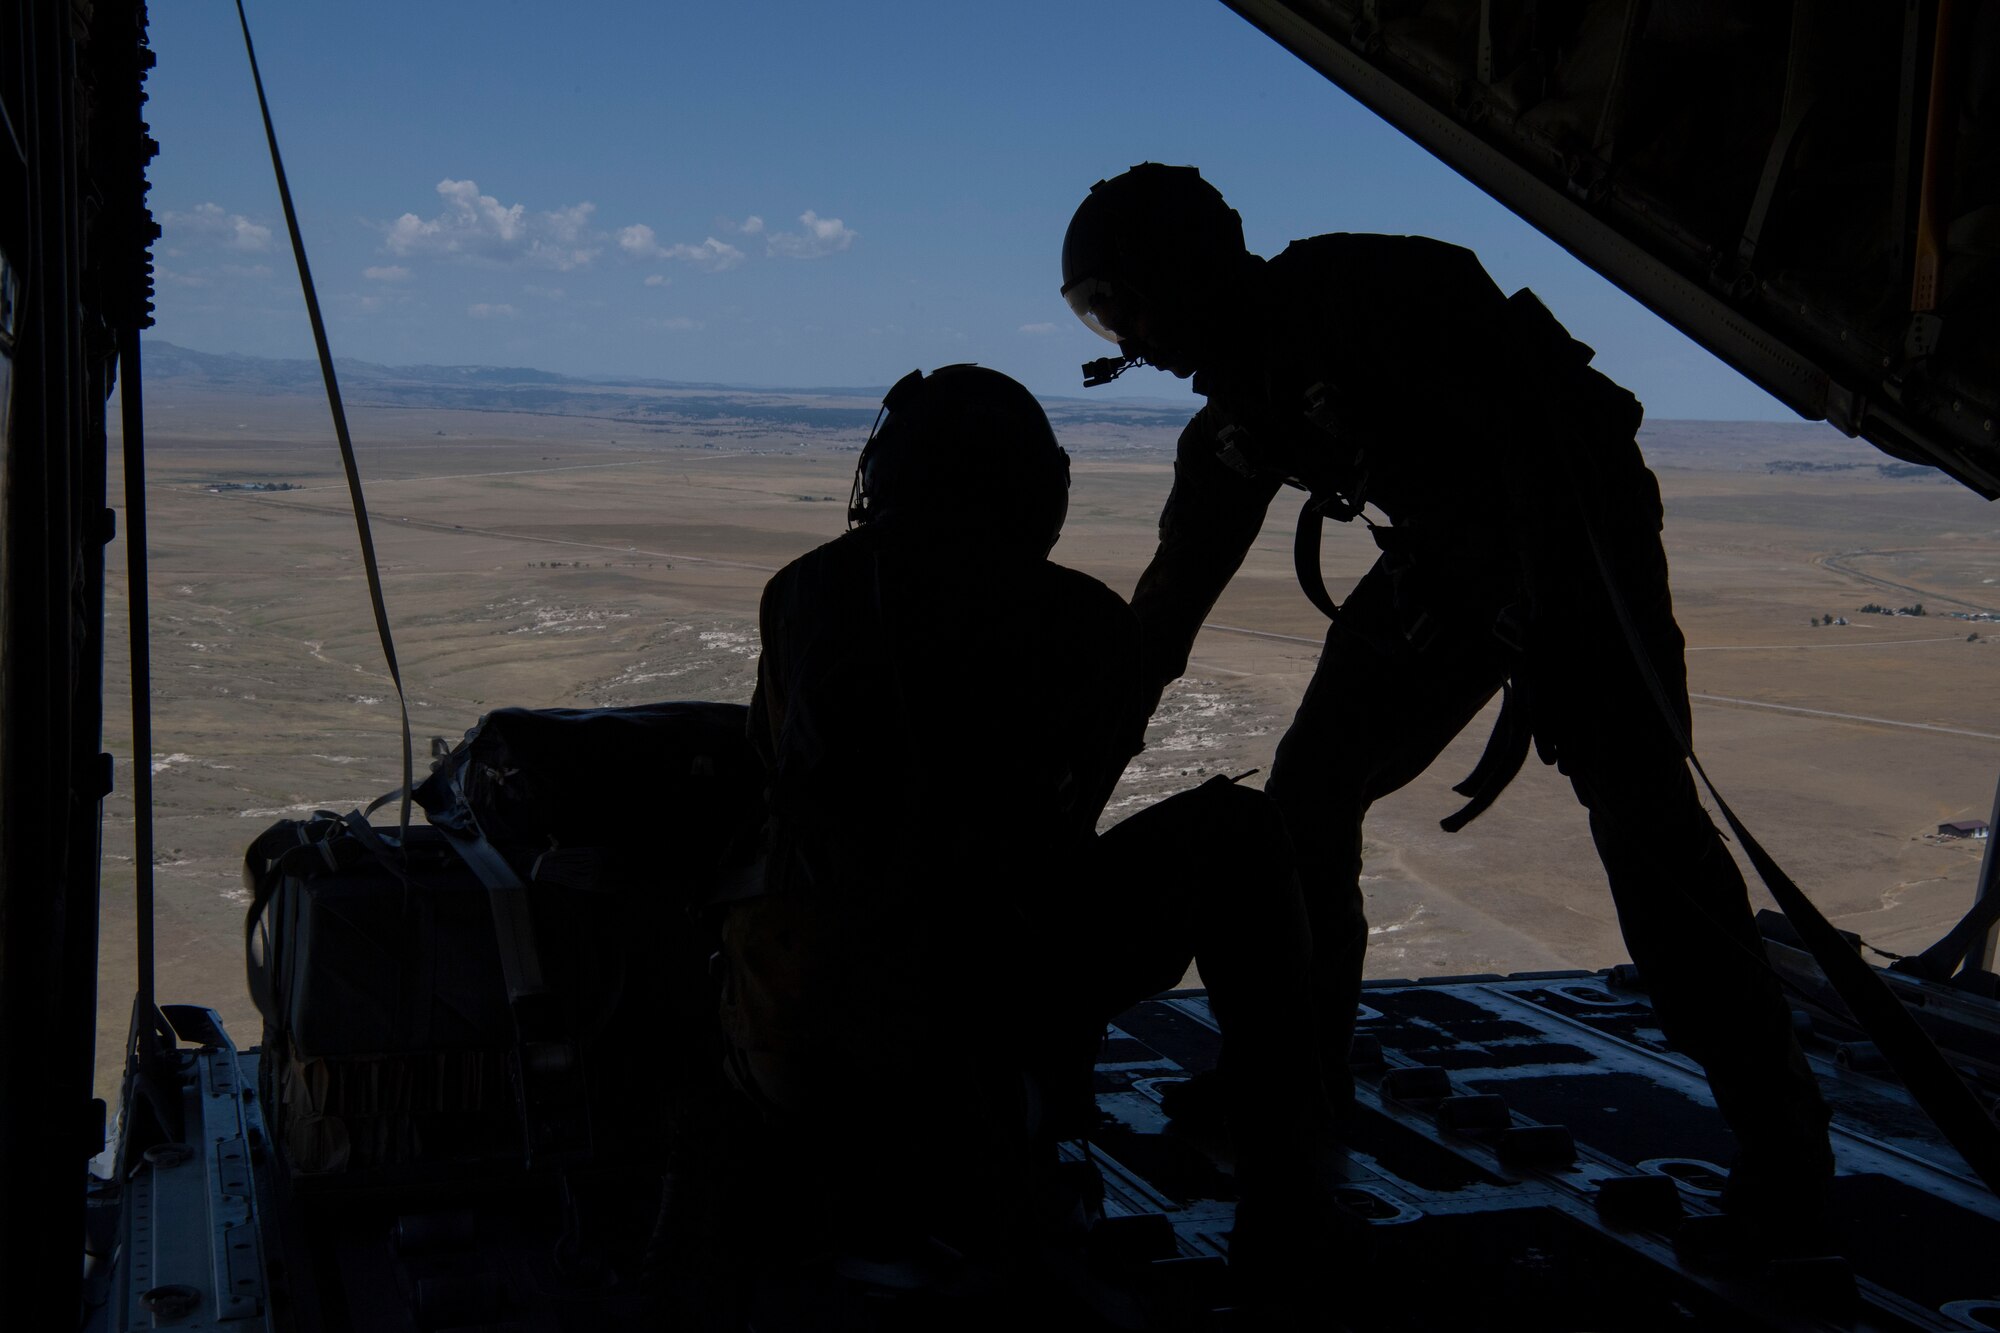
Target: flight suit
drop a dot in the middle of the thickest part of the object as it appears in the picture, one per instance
(943, 723)
(1391, 371)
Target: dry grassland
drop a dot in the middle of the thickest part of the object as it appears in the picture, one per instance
(540, 561)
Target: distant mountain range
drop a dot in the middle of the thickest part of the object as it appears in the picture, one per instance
(523, 389)
(165, 360)
(1788, 446)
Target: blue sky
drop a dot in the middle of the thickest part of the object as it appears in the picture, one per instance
(774, 193)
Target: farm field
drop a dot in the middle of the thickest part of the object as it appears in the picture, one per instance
(614, 555)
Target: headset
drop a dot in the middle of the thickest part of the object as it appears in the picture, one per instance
(918, 402)
(902, 397)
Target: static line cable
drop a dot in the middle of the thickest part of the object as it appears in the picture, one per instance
(339, 421)
(146, 1013)
(1929, 1077)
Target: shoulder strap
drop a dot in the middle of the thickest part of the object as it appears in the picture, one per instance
(547, 1065)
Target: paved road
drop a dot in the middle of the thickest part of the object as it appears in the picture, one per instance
(1837, 562)
(1844, 717)
(1858, 643)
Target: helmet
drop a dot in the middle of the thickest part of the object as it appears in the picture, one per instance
(1156, 240)
(964, 447)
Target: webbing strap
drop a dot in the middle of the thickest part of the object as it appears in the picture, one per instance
(1499, 763)
(1305, 559)
(1943, 959)
(1938, 1089)
(513, 927)
(1506, 750)
(549, 1090)
(339, 419)
(1908, 1049)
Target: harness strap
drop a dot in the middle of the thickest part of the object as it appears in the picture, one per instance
(1908, 1049)
(1506, 750)
(1305, 558)
(513, 927)
(549, 1089)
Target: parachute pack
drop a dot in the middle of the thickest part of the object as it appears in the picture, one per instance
(545, 931)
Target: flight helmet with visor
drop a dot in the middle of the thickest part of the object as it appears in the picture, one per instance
(1149, 256)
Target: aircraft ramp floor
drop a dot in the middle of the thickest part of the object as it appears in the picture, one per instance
(1526, 1154)
(1529, 1154)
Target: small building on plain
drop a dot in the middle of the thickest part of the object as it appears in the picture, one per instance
(1963, 828)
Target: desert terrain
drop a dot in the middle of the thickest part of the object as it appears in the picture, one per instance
(546, 546)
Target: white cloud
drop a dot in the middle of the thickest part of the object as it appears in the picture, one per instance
(638, 241)
(1038, 329)
(545, 293)
(750, 226)
(484, 311)
(386, 273)
(712, 256)
(657, 279)
(478, 226)
(822, 236)
(208, 223)
(374, 300)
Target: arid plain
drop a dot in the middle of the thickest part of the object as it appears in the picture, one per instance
(608, 549)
